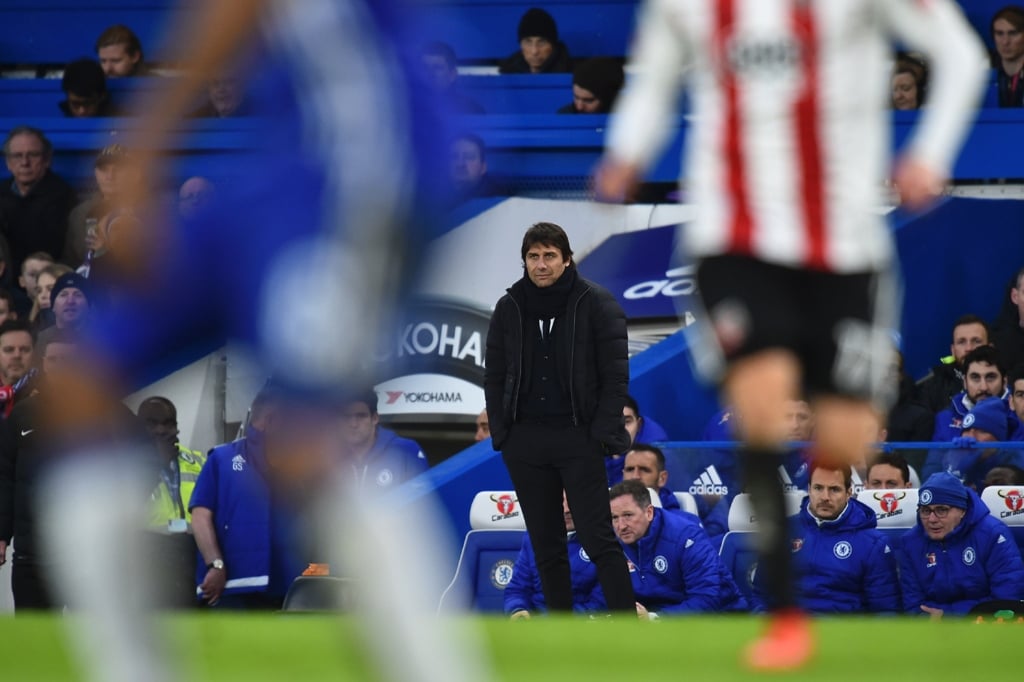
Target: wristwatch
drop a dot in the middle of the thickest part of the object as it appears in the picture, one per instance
(216, 563)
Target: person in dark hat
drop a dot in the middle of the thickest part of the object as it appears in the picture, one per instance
(70, 301)
(958, 555)
(85, 90)
(540, 50)
(595, 85)
(989, 422)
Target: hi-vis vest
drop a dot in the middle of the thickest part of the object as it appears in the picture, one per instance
(162, 507)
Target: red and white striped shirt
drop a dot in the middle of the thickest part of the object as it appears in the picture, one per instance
(789, 141)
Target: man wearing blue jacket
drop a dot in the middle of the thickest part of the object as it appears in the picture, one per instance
(524, 595)
(842, 563)
(988, 422)
(958, 555)
(672, 564)
(379, 458)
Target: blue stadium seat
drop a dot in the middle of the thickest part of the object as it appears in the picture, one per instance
(1006, 503)
(483, 571)
(740, 558)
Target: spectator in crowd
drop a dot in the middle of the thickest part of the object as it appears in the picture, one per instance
(193, 195)
(34, 201)
(540, 50)
(524, 595)
(8, 311)
(16, 363)
(842, 563)
(69, 301)
(244, 535)
(958, 555)
(646, 463)
(483, 428)
(171, 544)
(909, 83)
(116, 179)
(441, 73)
(1008, 36)
(22, 447)
(1004, 475)
(672, 564)
(1008, 332)
(469, 176)
(888, 471)
(946, 379)
(376, 456)
(41, 316)
(85, 91)
(225, 98)
(988, 421)
(554, 420)
(1015, 387)
(984, 377)
(120, 52)
(28, 279)
(595, 86)
(639, 428)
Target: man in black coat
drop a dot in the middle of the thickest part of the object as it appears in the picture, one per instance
(34, 201)
(556, 381)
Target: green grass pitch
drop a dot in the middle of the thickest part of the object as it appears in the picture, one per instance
(303, 648)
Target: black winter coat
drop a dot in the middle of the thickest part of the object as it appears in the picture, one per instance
(596, 374)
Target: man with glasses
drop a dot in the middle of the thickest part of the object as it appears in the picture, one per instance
(958, 555)
(34, 201)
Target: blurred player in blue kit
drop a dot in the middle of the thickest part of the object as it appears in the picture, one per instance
(303, 259)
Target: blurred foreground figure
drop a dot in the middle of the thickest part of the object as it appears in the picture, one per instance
(327, 201)
(786, 163)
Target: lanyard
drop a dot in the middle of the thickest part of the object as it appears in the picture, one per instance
(171, 476)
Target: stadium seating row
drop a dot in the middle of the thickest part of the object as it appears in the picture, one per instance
(55, 31)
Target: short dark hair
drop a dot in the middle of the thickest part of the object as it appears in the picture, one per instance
(17, 325)
(29, 130)
(653, 449)
(893, 459)
(547, 234)
(1018, 473)
(1015, 375)
(1018, 279)
(367, 396)
(971, 319)
(440, 49)
(844, 470)
(635, 489)
(1012, 14)
(119, 34)
(632, 404)
(988, 354)
(159, 400)
(85, 78)
(6, 295)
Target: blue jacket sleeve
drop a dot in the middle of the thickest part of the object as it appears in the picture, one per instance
(701, 575)
(520, 591)
(1005, 570)
(881, 587)
(205, 492)
(912, 594)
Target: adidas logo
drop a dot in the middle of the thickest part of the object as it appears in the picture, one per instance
(709, 483)
(787, 482)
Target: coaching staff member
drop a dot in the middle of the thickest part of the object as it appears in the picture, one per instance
(556, 380)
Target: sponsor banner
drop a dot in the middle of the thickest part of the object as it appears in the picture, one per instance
(429, 394)
(644, 272)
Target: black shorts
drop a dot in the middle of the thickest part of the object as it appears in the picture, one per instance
(838, 325)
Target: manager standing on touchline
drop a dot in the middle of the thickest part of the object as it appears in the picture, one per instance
(556, 380)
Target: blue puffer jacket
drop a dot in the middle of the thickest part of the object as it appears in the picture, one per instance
(948, 425)
(524, 590)
(393, 460)
(674, 569)
(843, 565)
(977, 562)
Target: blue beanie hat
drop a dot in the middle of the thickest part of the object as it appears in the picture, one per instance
(990, 415)
(943, 488)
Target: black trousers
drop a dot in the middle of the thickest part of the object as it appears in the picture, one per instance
(30, 586)
(542, 459)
